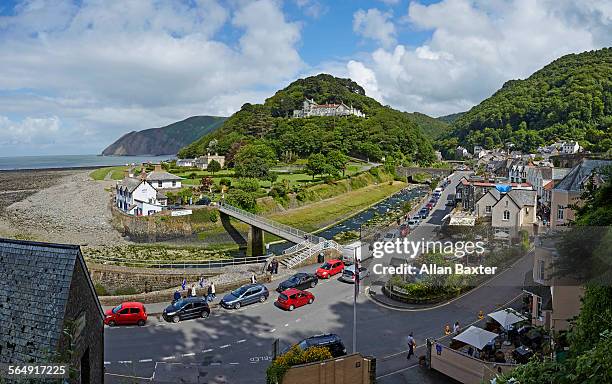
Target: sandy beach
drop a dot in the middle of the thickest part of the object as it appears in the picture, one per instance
(63, 206)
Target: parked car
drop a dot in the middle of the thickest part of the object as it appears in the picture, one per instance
(247, 294)
(417, 218)
(429, 206)
(187, 308)
(450, 203)
(389, 236)
(330, 341)
(203, 201)
(348, 275)
(129, 313)
(412, 223)
(404, 230)
(424, 212)
(330, 268)
(299, 281)
(292, 298)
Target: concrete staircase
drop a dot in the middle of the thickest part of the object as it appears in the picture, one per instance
(302, 251)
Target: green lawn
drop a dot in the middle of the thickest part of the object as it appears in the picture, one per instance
(116, 173)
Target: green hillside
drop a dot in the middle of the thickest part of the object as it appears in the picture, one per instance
(450, 118)
(569, 99)
(383, 132)
(164, 140)
(430, 126)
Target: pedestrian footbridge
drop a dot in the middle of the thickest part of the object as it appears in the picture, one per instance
(306, 243)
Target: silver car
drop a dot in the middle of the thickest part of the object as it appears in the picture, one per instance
(348, 274)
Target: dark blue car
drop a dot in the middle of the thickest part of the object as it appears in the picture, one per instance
(245, 295)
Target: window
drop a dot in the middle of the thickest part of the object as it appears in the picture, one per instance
(174, 183)
(541, 269)
(539, 307)
(124, 311)
(488, 209)
(560, 212)
(159, 184)
(506, 215)
(526, 211)
(135, 310)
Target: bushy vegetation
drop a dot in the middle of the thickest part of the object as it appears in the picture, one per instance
(384, 131)
(569, 99)
(295, 356)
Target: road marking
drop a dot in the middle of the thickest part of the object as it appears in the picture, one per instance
(207, 350)
(215, 363)
(125, 362)
(273, 330)
(234, 363)
(107, 362)
(396, 372)
(130, 377)
(240, 341)
(169, 358)
(145, 360)
(286, 325)
(224, 346)
(188, 354)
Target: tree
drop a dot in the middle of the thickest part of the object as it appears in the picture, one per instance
(254, 160)
(248, 184)
(316, 164)
(206, 184)
(337, 160)
(213, 166)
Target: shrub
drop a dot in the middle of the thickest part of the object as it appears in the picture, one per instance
(248, 184)
(127, 290)
(242, 199)
(100, 289)
(278, 191)
(295, 356)
(225, 181)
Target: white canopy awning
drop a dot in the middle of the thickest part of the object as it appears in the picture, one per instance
(507, 317)
(476, 337)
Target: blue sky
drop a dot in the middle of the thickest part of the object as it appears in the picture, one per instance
(74, 76)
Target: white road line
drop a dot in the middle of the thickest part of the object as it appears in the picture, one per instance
(145, 360)
(286, 325)
(215, 363)
(234, 363)
(224, 346)
(240, 341)
(169, 358)
(273, 330)
(125, 362)
(188, 354)
(207, 350)
(396, 372)
(107, 362)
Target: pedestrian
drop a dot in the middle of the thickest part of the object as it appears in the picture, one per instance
(447, 330)
(212, 292)
(270, 268)
(275, 266)
(193, 290)
(177, 295)
(456, 328)
(253, 279)
(411, 345)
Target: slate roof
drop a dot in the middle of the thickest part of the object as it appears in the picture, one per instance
(130, 183)
(523, 197)
(574, 180)
(161, 176)
(34, 289)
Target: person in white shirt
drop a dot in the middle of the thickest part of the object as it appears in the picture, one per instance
(411, 344)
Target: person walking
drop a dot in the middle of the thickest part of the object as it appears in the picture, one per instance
(193, 290)
(253, 279)
(456, 328)
(411, 345)
(177, 296)
(211, 292)
(275, 266)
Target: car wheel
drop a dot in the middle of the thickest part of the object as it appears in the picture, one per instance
(111, 323)
(175, 319)
(262, 299)
(204, 314)
(313, 284)
(237, 305)
(291, 307)
(141, 323)
(310, 301)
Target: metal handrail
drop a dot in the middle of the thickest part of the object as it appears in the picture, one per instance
(185, 263)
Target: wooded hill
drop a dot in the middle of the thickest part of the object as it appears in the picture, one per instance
(384, 132)
(569, 99)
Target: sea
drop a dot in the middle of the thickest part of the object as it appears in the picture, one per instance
(73, 161)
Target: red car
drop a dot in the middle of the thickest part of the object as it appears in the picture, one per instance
(330, 268)
(429, 206)
(292, 298)
(129, 313)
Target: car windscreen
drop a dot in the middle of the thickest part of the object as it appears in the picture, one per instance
(282, 296)
(179, 303)
(326, 266)
(117, 308)
(238, 292)
(294, 279)
(348, 272)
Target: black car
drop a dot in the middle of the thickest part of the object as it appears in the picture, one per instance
(247, 294)
(330, 341)
(203, 201)
(187, 308)
(299, 281)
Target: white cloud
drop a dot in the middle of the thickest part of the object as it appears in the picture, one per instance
(312, 8)
(29, 130)
(476, 46)
(376, 25)
(117, 66)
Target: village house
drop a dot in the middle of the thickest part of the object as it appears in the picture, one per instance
(509, 211)
(186, 163)
(570, 147)
(161, 179)
(310, 109)
(461, 153)
(569, 190)
(469, 191)
(203, 161)
(143, 195)
(48, 299)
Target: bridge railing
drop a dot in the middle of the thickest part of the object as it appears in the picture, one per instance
(183, 264)
(281, 227)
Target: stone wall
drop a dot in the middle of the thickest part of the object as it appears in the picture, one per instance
(112, 277)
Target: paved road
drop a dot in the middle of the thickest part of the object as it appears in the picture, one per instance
(235, 346)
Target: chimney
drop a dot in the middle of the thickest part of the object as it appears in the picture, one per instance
(157, 168)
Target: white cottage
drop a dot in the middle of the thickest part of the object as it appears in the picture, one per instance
(161, 179)
(138, 197)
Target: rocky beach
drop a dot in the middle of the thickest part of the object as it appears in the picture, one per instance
(63, 206)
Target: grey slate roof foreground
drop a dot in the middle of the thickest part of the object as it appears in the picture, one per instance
(162, 176)
(572, 181)
(35, 283)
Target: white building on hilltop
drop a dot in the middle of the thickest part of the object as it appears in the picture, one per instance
(136, 196)
(310, 108)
